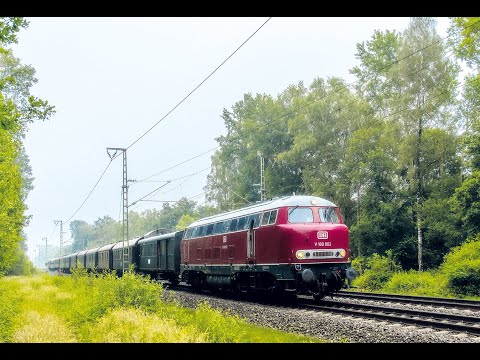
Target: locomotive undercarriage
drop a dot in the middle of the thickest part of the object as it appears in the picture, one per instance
(319, 285)
(239, 282)
(278, 282)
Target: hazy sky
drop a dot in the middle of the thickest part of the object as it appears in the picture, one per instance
(112, 79)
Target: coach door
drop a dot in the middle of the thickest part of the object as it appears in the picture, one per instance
(162, 254)
(250, 242)
(170, 253)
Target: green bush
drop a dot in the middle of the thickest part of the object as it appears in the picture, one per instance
(9, 308)
(461, 267)
(417, 283)
(466, 280)
(89, 307)
(379, 269)
(98, 294)
(21, 266)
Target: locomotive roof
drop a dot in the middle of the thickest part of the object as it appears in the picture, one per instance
(294, 200)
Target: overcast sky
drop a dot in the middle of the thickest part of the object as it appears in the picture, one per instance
(112, 79)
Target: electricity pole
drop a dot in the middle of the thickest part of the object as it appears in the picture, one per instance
(112, 155)
(46, 249)
(262, 176)
(39, 258)
(61, 235)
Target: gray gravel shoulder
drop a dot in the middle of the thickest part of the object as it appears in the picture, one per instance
(324, 325)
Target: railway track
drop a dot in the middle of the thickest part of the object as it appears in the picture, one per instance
(417, 300)
(420, 318)
(432, 319)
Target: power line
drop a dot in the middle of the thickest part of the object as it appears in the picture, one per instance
(155, 191)
(191, 92)
(193, 197)
(158, 188)
(53, 230)
(91, 191)
(174, 166)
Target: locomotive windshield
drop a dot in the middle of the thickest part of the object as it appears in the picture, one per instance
(305, 215)
(328, 214)
(300, 215)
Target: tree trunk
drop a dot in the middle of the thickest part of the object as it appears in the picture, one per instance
(420, 237)
(419, 192)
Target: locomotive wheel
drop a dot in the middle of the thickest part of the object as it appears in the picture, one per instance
(198, 282)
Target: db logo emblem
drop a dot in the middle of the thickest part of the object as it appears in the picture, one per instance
(322, 235)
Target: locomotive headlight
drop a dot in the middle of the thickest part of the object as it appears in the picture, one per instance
(300, 254)
(342, 252)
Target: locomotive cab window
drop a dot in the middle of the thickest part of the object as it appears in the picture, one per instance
(265, 217)
(300, 215)
(328, 214)
(273, 217)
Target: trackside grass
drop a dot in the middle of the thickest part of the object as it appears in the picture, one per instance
(87, 308)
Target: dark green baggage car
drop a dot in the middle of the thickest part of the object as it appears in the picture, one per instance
(159, 256)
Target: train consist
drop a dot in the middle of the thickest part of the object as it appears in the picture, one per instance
(295, 245)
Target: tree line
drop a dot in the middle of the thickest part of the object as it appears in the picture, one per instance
(397, 150)
(18, 109)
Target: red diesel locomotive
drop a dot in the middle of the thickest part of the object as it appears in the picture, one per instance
(294, 244)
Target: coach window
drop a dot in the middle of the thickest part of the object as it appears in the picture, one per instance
(188, 233)
(241, 223)
(218, 228)
(273, 217)
(233, 225)
(209, 229)
(256, 219)
(195, 231)
(203, 231)
(300, 215)
(226, 226)
(247, 222)
(328, 214)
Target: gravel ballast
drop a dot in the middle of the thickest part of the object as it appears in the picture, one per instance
(327, 326)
